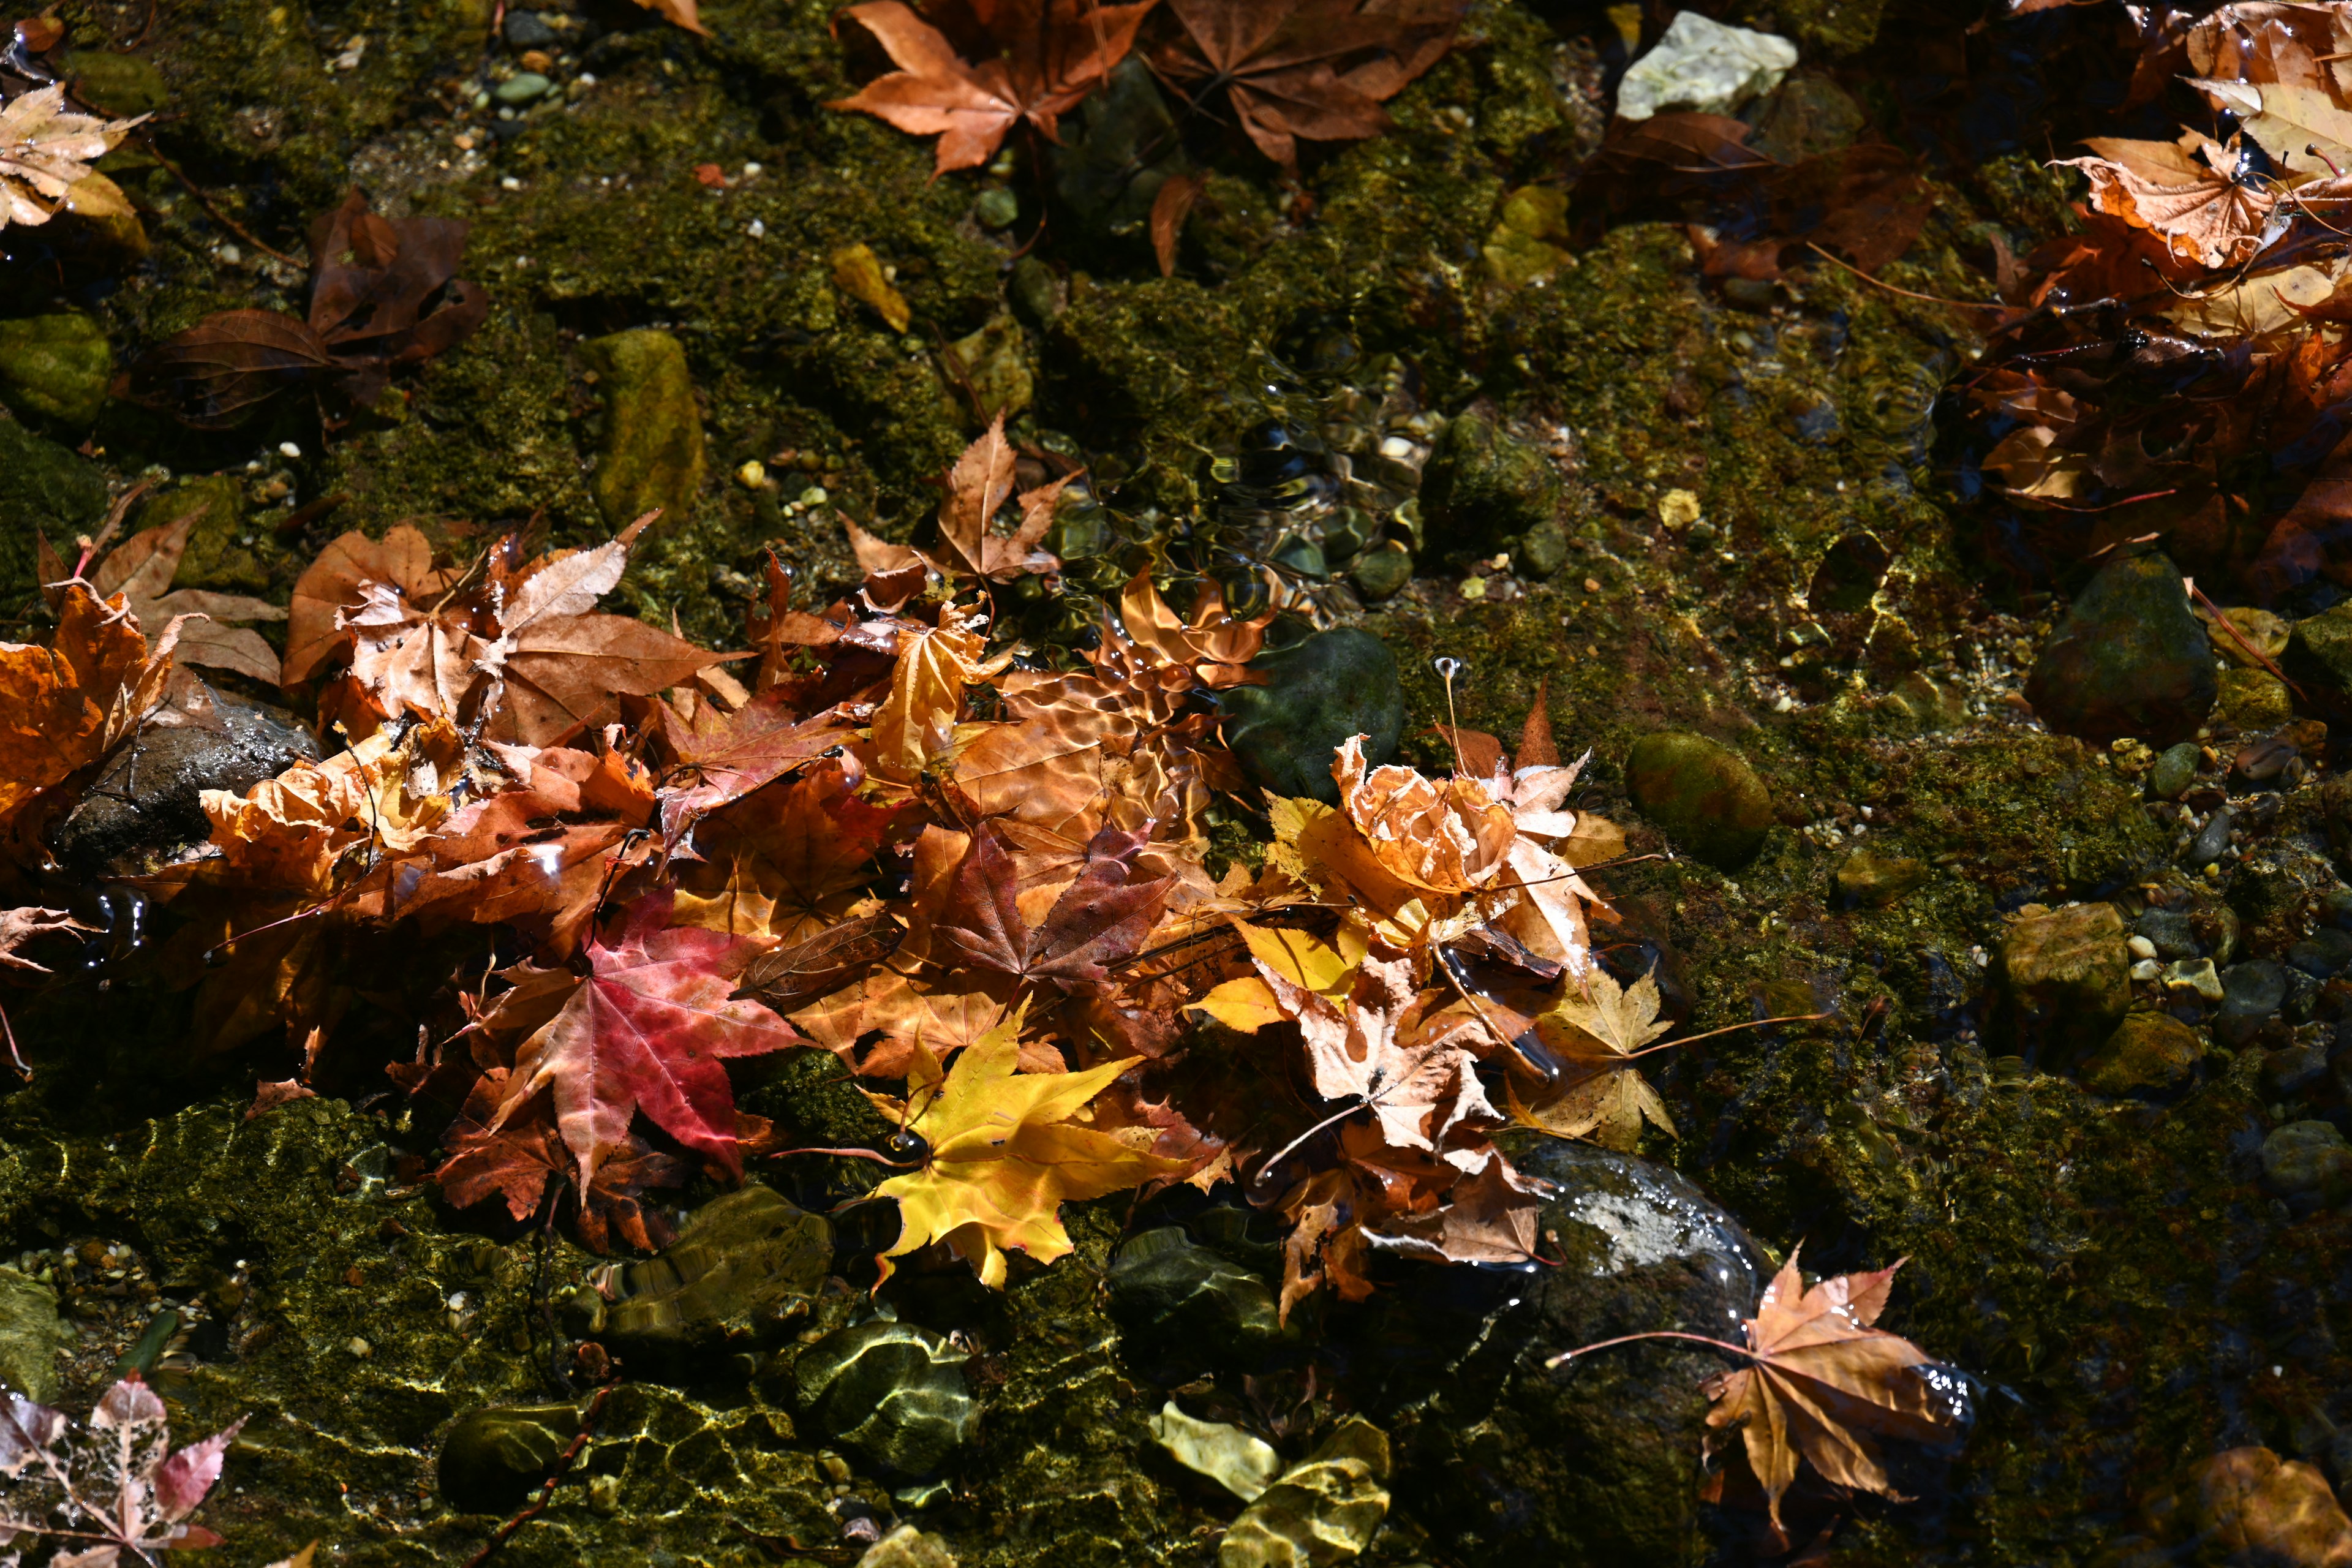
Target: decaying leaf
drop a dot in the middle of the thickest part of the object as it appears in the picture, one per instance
(67, 705)
(1597, 1036)
(46, 150)
(112, 1486)
(20, 926)
(142, 569)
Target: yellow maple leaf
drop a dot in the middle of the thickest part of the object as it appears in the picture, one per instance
(916, 723)
(1597, 1036)
(1005, 1153)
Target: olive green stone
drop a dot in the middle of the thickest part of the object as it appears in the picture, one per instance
(495, 1459)
(43, 489)
(2174, 771)
(2127, 659)
(1483, 486)
(1183, 1309)
(1325, 1511)
(1319, 691)
(2148, 1051)
(1874, 881)
(2307, 1158)
(737, 1277)
(1543, 550)
(894, 1392)
(1383, 572)
(119, 86)
(2259, 632)
(2320, 650)
(2067, 971)
(2249, 701)
(992, 367)
(218, 555)
(55, 368)
(1705, 796)
(31, 1337)
(652, 456)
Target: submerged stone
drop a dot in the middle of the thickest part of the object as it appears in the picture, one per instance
(1323, 1511)
(2247, 1506)
(1381, 573)
(522, 87)
(2307, 1160)
(894, 1392)
(495, 1459)
(1242, 1463)
(1705, 796)
(2174, 771)
(2067, 971)
(55, 368)
(31, 1336)
(1704, 67)
(528, 30)
(2173, 932)
(1873, 881)
(2148, 1051)
(2127, 659)
(2252, 994)
(1483, 487)
(2249, 701)
(1183, 1309)
(2320, 649)
(741, 1272)
(1320, 690)
(119, 86)
(652, 457)
(908, 1547)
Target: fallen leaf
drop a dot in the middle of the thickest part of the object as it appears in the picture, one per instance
(19, 926)
(142, 569)
(117, 1481)
(679, 13)
(68, 705)
(2186, 192)
(1597, 1036)
(857, 272)
(1824, 1385)
(1101, 917)
(1005, 1153)
(46, 150)
(648, 1030)
(1170, 207)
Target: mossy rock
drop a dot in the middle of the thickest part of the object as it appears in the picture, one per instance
(1319, 691)
(118, 86)
(1485, 486)
(743, 1270)
(1703, 794)
(31, 1337)
(652, 457)
(221, 555)
(894, 1392)
(2148, 1053)
(2127, 659)
(2252, 700)
(43, 489)
(55, 368)
(495, 1459)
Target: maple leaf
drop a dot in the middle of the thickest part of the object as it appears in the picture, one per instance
(648, 1030)
(1446, 837)
(19, 926)
(1312, 68)
(730, 755)
(1596, 1036)
(141, 568)
(515, 1162)
(1105, 914)
(978, 487)
(1490, 1217)
(1055, 53)
(1004, 1153)
(788, 860)
(1824, 1384)
(45, 155)
(116, 1481)
(68, 705)
(1147, 642)
(316, 632)
(917, 722)
(2186, 192)
(679, 13)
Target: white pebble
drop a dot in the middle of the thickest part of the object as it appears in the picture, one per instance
(756, 229)
(290, 451)
(2141, 947)
(509, 184)
(815, 496)
(749, 170)
(360, 1348)
(2146, 969)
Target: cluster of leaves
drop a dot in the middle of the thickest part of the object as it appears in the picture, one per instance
(384, 295)
(2178, 365)
(45, 153)
(114, 1486)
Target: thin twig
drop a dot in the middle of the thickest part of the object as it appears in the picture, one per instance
(1629, 1338)
(219, 216)
(1906, 293)
(2239, 637)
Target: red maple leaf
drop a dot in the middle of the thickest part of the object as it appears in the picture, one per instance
(515, 1162)
(1102, 916)
(649, 1030)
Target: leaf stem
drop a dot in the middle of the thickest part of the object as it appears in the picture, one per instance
(1653, 1334)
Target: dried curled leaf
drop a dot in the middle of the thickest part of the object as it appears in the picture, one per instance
(46, 150)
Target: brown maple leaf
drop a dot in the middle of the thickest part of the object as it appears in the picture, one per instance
(515, 1162)
(141, 568)
(787, 861)
(67, 705)
(19, 926)
(2187, 192)
(1054, 52)
(1822, 1386)
(1102, 916)
(1318, 69)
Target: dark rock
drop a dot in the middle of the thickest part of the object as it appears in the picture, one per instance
(2251, 700)
(2320, 650)
(894, 1392)
(2174, 933)
(1873, 881)
(1515, 1461)
(2301, 996)
(494, 1459)
(2322, 953)
(2128, 659)
(1705, 796)
(2335, 908)
(55, 368)
(1184, 1309)
(1543, 550)
(2292, 1069)
(147, 801)
(1482, 486)
(737, 1277)
(2211, 840)
(1320, 690)
(1383, 572)
(2307, 1161)
(1806, 115)
(2067, 973)
(2148, 1052)
(2174, 771)
(652, 455)
(528, 30)
(2252, 994)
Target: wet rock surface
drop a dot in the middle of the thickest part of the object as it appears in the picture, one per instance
(31, 1337)
(1703, 794)
(1485, 489)
(652, 457)
(1184, 1309)
(1319, 691)
(494, 1459)
(739, 1278)
(2148, 1052)
(895, 1392)
(2127, 659)
(2067, 971)
(55, 369)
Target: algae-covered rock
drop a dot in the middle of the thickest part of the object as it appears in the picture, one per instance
(1483, 487)
(2252, 994)
(1705, 796)
(1873, 881)
(2148, 1051)
(494, 1458)
(894, 1392)
(1323, 1511)
(1239, 1461)
(2249, 701)
(2320, 648)
(46, 489)
(735, 1279)
(31, 1337)
(2249, 1507)
(1591, 1462)
(1381, 571)
(55, 368)
(2174, 771)
(2127, 659)
(1183, 1309)
(2067, 971)
(1319, 691)
(908, 1547)
(2307, 1160)
(652, 455)
(118, 86)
